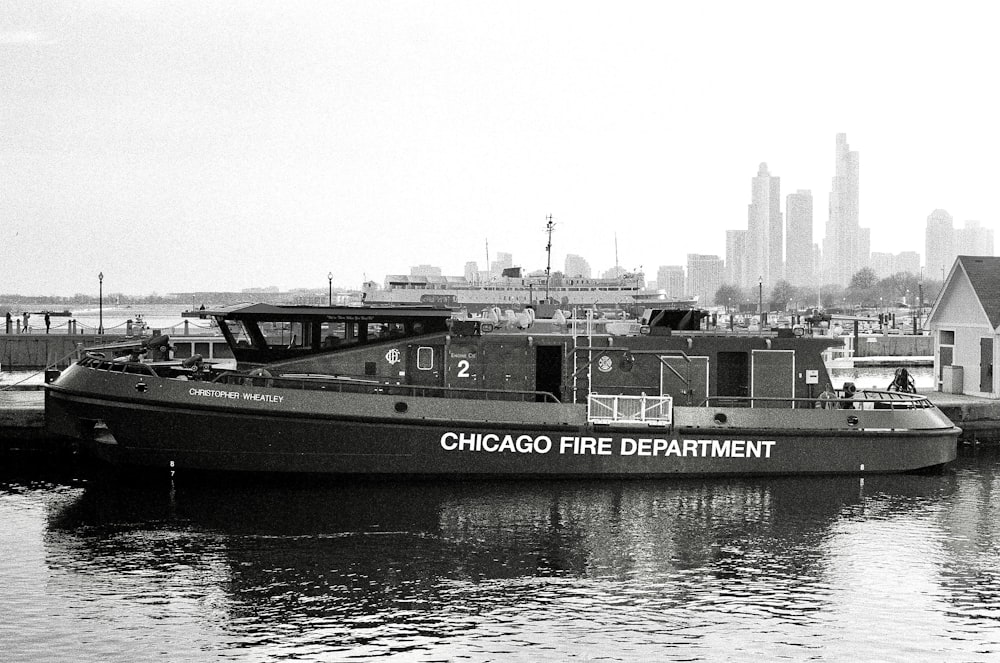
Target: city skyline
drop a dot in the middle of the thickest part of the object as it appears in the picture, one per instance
(225, 146)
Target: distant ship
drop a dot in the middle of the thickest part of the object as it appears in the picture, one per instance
(516, 291)
(512, 289)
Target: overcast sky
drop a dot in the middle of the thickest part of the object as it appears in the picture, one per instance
(181, 146)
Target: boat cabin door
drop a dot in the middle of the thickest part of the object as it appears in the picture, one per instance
(772, 375)
(462, 368)
(684, 379)
(548, 369)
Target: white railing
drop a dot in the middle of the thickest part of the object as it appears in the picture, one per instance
(619, 409)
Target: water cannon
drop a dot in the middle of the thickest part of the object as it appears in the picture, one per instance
(158, 348)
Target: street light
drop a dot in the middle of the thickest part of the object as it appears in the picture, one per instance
(760, 301)
(329, 278)
(100, 302)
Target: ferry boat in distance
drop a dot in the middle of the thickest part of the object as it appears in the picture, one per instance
(389, 391)
(518, 292)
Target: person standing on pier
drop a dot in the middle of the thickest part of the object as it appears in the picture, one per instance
(24, 329)
(48, 322)
(8, 322)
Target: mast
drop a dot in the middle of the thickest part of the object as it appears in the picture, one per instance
(617, 271)
(488, 273)
(548, 249)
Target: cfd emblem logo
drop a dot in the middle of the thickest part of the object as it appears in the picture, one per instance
(392, 356)
(604, 364)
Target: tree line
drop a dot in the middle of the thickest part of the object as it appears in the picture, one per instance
(865, 290)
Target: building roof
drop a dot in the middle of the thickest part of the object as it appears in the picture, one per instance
(983, 273)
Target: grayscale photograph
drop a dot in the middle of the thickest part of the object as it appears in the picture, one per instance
(440, 331)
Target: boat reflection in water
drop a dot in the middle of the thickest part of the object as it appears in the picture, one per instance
(637, 570)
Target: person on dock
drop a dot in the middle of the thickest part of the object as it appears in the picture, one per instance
(48, 322)
(827, 399)
(24, 328)
(902, 381)
(9, 322)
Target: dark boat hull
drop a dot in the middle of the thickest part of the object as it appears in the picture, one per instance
(189, 426)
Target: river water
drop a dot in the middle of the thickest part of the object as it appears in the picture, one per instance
(890, 568)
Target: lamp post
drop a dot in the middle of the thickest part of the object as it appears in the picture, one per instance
(329, 278)
(100, 302)
(760, 301)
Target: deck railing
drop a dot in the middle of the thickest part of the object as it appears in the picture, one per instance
(359, 385)
(621, 409)
(866, 399)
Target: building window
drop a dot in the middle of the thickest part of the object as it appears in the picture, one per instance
(947, 337)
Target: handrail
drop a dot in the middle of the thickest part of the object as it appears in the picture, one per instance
(348, 384)
(877, 398)
(351, 384)
(101, 364)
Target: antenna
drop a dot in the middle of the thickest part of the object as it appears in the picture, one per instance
(548, 249)
(617, 270)
(488, 273)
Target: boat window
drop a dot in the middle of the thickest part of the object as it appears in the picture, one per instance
(293, 335)
(425, 359)
(336, 334)
(239, 331)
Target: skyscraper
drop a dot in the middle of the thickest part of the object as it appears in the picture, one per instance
(577, 266)
(502, 262)
(846, 245)
(764, 238)
(974, 240)
(799, 268)
(704, 276)
(670, 279)
(940, 244)
(736, 257)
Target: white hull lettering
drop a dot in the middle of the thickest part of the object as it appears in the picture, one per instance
(236, 395)
(573, 445)
(646, 446)
(493, 443)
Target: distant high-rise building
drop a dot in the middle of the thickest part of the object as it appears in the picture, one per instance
(882, 264)
(670, 279)
(577, 266)
(764, 238)
(704, 276)
(886, 264)
(425, 270)
(799, 267)
(974, 240)
(940, 244)
(736, 258)
(907, 261)
(471, 272)
(503, 261)
(846, 245)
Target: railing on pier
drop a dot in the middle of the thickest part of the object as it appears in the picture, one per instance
(622, 409)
